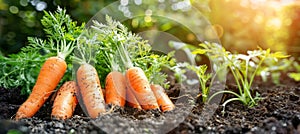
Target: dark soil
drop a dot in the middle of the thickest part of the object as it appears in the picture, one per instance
(278, 112)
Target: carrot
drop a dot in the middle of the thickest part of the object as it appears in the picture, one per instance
(138, 83)
(90, 90)
(50, 74)
(131, 99)
(65, 101)
(163, 100)
(115, 87)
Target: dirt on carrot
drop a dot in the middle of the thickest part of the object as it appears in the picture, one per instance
(65, 101)
(90, 90)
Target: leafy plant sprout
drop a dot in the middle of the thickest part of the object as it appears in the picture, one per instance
(243, 68)
(274, 69)
(199, 70)
(203, 79)
(296, 74)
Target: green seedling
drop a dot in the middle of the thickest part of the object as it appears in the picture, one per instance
(179, 72)
(274, 69)
(203, 79)
(206, 80)
(295, 75)
(243, 68)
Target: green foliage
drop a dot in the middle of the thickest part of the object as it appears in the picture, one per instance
(203, 79)
(14, 131)
(21, 69)
(179, 72)
(59, 26)
(86, 50)
(118, 49)
(25, 22)
(243, 67)
(296, 74)
(274, 68)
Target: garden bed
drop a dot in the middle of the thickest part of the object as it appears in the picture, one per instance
(278, 112)
(252, 105)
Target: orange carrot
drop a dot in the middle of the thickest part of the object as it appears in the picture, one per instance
(163, 100)
(139, 85)
(90, 90)
(50, 74)
(115, 89)
(131, 99)
(65, 101)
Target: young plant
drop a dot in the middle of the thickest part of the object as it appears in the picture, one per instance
(274, 69)
(203, 79)
(295, 75)
(179, 72)
(243, 68)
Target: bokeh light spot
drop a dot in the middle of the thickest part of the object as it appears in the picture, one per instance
(275, 23)
(24, 3)
(138, 2)
(41, 6)
(14, 9)
(124, 2)
(148, 19)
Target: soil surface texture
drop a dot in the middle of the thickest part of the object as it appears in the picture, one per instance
(277, 112)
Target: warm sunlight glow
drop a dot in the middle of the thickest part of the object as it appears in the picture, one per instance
(274, 23)
(265, 23)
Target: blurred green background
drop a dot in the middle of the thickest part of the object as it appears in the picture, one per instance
(241, 25)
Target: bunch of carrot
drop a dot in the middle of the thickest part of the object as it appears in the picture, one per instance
(127, 82)
(130, 86)
(133, 88)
